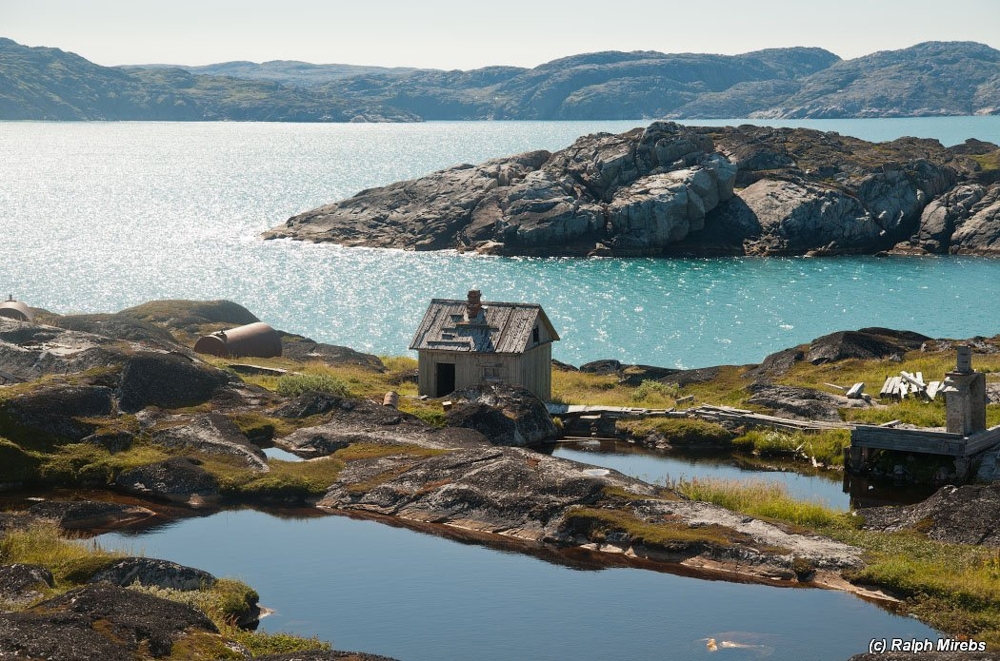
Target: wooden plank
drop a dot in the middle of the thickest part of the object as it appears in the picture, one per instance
(915, 383)
(854, 392)
(933, 388)
(835, 386)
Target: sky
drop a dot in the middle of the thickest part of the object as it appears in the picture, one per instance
(448, 34)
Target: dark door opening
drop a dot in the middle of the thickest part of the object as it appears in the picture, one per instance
(445, 379)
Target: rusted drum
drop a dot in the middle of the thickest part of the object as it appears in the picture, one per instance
(257, 340)
(12, 309)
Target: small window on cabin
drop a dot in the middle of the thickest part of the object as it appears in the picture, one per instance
(535, 335)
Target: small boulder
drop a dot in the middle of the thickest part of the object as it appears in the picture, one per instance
(180, 479)
(99, 622)
(153, 572)
(167, 381)
(865, 343)
(505, 414)
(213, 434)
(87, 514)
(800, 403)
(55, 410)
(21, 583)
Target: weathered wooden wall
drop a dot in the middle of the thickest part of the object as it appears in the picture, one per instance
(533, 369)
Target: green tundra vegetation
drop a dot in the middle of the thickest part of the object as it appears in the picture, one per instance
(72, 562)
(951, 586)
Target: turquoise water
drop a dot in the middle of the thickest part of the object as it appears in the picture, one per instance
(371, 587)
(102, 216)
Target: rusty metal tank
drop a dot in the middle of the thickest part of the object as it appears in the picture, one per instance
(16, 310)
(257, 340)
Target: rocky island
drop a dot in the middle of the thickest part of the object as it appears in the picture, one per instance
(119, 402)
(674, 190)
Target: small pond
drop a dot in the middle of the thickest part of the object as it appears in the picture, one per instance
(368, 586)
(802, 481)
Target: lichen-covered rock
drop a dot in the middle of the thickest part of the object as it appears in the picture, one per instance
(866, 343)
(60, 411)
(799, 403)
(88, 514)
(980, 233)
(212, 434)
(155, 573)
(943, 215)
(637, 192)
(968, 514)
(180, 479)
(22, 583)
(120, 327)
(797, 217)
(99, 622)
(166, 380)
(505, 414)
(29, 351)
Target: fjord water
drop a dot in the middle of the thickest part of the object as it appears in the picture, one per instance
(96, 217)
(411, 596)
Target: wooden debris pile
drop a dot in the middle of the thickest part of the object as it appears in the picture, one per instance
(907, 384)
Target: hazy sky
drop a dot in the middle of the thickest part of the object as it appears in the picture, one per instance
(463, 35)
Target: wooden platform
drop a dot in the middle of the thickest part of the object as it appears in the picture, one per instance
(924, 441)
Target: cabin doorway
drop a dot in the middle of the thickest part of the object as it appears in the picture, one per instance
(445, 379)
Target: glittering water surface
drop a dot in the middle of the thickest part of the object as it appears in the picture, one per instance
(102, 216)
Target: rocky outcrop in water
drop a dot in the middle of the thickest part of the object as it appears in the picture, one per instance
(668, 189)
(634, 193)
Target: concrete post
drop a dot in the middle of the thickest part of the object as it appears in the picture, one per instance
(965, 396)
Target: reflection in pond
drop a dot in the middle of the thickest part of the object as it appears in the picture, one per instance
(386, 590)
(802, 481)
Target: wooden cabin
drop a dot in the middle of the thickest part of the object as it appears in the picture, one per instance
(463, 343)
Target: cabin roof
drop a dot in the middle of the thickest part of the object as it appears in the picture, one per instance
(503, 327)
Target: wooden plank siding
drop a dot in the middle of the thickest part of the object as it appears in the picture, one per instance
(532, 369)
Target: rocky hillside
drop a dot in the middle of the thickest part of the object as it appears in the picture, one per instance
(50, 84)
(668, 189)
(936, 78)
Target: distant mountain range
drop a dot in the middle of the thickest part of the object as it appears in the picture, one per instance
(933, 78)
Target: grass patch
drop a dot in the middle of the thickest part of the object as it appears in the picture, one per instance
(42, 543)
(601, 524)
(287, 480)
(86, 464)
(766, 500)
(953, 587)
(911, 411)
(595, 389)
(261, 642)
(679, 432)
(357, 451)
(825, 447)
(655, 391)
(987, 162)
(293, 385)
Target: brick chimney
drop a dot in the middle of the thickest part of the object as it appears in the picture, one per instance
(474, 306)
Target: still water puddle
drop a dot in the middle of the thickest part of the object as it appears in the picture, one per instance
(368, 586)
